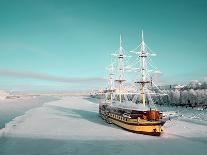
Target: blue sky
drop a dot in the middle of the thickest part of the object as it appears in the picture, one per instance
(46, 44)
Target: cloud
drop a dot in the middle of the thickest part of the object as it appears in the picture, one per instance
(48, 77)
(19, 47)
(157, 72)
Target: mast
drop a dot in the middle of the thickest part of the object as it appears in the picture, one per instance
(111, 77)
(120, 68)
(143, 69)
(111, 81)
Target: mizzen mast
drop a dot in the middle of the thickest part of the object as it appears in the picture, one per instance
(111, 81)
(120, 70)
(111, 77)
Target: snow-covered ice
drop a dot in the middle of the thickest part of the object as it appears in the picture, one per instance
(72, 126)
(11, 108)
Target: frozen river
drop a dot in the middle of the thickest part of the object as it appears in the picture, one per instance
(72, 126)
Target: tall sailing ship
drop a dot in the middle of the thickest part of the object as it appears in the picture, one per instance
(132, 110)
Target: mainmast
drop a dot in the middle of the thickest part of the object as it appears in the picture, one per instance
(143, 69)
(120, 68)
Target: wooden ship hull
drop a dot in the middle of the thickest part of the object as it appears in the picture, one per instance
(143, 122)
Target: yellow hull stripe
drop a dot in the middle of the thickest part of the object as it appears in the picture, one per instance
(137, 128)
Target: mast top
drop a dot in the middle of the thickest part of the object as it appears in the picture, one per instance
(143, 44)
(120, 40)
(121, 52)
(142, 36)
